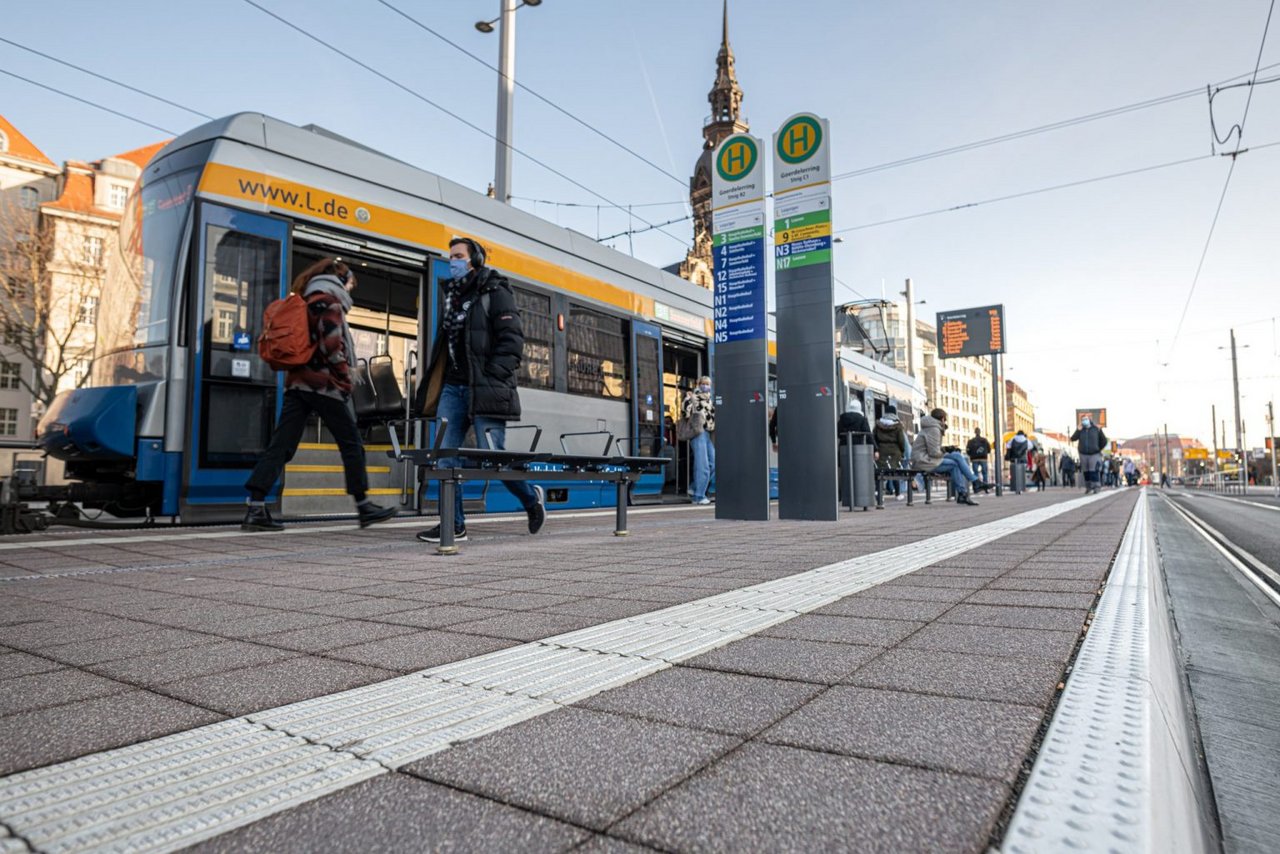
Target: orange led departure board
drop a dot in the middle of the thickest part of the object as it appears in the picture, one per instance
(971, 332)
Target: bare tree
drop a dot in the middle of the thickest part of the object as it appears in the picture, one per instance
(50, 276)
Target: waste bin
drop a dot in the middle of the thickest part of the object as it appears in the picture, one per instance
(857, 473)
(1018, 477)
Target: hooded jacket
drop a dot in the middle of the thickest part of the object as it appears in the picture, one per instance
(926, 450)
(891, 440)
(494, 343)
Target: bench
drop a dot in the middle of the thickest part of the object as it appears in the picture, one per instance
(486, 464)
(909, 475)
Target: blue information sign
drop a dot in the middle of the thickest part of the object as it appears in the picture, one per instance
(241, 341)
(739, 300)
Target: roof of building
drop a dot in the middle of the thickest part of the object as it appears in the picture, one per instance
(141, 156)
(20, 147)
(77, 193)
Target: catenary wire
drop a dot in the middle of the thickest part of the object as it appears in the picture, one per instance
(1195, 280)
(66, 94)
(110, 80)
(387, 78)
(524, 88)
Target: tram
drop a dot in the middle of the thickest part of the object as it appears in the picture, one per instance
(181, 406)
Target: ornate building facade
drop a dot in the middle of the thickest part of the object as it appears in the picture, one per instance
(725, 120)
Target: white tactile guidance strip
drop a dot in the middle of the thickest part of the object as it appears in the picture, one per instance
(171, 792)
(1116, 770)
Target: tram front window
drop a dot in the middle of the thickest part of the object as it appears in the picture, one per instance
(137, 296)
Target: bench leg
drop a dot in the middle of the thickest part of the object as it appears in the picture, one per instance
(928, 490)
(620, 518)
(447, 545)
(879, 493)
(911, 490)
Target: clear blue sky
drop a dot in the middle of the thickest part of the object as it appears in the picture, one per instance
(1092, 277)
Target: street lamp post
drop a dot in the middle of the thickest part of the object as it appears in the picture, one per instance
(1235, 386)
(506, 21)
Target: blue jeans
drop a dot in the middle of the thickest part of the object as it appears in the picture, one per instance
(455, 405)
(980, 469)
(957, 466)
(704, 464)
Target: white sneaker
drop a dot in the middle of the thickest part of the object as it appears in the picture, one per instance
(899, 497)
(703, 501)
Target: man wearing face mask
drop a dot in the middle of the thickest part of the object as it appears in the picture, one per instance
(701, 412)
(471, 377)
(1091, 441)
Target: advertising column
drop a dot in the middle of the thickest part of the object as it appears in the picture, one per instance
(741, 330)
(806, 320)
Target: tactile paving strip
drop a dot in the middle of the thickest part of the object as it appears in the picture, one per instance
(171, 792)
(1108, 777)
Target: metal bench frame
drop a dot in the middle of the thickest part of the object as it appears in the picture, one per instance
(501, 465)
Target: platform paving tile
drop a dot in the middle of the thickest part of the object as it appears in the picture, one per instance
(1031, 599)
(730, 703)
(439, 616)
(269, 624)
(332, 635)
(265, 686)
(603, 844)
(1029, 681)
(604, 609)
(766, 798)
(54, 688)
(866, 631)
(34, 636)
(905, 590)
(858, 605)
(14, 664)
(944, 733)
(785, 658)
(589, 768)
(1045, 585)
(399, 812)
(995, 640)
(524, 625)
(1061, 619)
(519, 601)
(59, 733)
(183, 663)
(419, 650)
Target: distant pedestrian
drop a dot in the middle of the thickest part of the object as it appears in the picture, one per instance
(979, 449)
(853, 421)
(1040, 471)
(1130, 472)
(892, 446)
(1091, 440)
(701, 413)
(927, 456)
(773, 428)
(1067, 467)
(471, 377)
(1017, 452)
(322, 386)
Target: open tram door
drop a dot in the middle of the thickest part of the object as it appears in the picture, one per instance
(241, 266)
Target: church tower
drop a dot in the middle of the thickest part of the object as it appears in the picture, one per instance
(725, 120)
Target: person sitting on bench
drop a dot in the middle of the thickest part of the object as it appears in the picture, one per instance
(927, 455)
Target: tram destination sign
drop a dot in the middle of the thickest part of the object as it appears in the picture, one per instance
(971, 332)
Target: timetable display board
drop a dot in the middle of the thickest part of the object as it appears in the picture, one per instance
(1097, 416)
(971, 332)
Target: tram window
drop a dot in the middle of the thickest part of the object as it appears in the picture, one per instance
(535, 318)
(597, 350)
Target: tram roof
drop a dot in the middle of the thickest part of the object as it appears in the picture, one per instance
(327, 150)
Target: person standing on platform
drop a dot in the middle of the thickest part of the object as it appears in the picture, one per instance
(322, 386)
(1040, 471)
(892, 445)
(853, 421)
(1091, 440)
(471, 378)
(1067, 466)
(701, 413)
(978, 450)
(927, 456)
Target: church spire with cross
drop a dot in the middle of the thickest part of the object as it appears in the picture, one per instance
(725, 120)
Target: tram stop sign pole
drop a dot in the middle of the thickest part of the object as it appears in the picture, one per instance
(978, 332)
(741, 353)
(807, 487)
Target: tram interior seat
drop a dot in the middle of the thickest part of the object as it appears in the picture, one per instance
(377, 396)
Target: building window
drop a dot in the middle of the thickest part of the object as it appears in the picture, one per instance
(93, 251)
(10, 375)
(89, 311)
(535, 318)
(597, 354)
(118, 195)
(8, 422)
(226, 324)
(30, 198)
(4, 142)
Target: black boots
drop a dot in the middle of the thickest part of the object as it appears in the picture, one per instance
(258, 518)
(963, 498)
(372, 514)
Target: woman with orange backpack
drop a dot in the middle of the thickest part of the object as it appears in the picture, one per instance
(321, 385)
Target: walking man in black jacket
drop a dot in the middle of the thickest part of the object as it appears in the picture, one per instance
(978, 450)
(1091, 442)
(471, 378)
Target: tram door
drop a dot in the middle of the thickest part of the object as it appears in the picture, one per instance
(647, 437)
(682, 364)
(241, 268)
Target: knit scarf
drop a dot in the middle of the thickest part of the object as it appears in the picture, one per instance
(332, 286)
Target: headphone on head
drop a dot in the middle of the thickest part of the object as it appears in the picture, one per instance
(477, 251)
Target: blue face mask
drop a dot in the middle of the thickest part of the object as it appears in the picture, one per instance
(459, 267)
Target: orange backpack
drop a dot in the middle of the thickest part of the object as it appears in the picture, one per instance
(286, 334)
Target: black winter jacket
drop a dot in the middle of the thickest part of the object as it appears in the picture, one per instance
(1091, 439)
(495, 347)
(978, 448)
